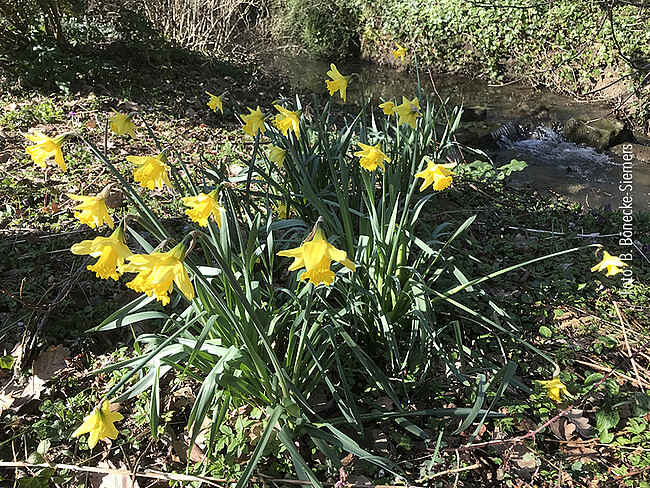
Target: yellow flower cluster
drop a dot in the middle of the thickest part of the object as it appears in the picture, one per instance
(371, 156)
(338, 82)
(158, 272)
(92, 211)
(202, 207)
(111, 252)
(122, 124)
(215, 103)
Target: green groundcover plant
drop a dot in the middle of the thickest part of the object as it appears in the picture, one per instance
(347, 199)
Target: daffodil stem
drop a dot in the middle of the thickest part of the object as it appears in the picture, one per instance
(363, 136)
(417, 73)
(303, 332)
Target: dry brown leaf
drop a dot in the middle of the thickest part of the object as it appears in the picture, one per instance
(581, 423)
(182, 398)
(576, 451)
(112, 480)
(347, 459)
(523, 460)
(50, 362)
(5, 402)
(255, 432)
(180, 447)
(91, 124)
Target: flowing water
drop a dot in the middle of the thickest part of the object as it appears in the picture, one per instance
(526, 125)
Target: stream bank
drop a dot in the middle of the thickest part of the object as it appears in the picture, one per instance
(507, 122)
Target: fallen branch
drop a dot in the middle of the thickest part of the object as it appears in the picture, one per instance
(449, 471)
(185, 477)
(627, 346)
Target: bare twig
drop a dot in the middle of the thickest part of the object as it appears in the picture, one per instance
(180, 477)
(605, 369)
(627, 345)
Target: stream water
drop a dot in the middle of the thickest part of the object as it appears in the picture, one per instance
(529, 123)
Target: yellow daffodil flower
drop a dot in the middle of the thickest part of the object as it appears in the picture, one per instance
(316, 256)
(158, 272)
(92, 211)
(283, 211)
(287, 120)
(555, 388)
(150, 172)
(400, 52)
(99, 424)
(122, 124)
(408, 111)
(371, 157)
(111, 252)
(338, 82)
(215, 103)
(388, 107)
(253, 122)
(277, 155)
(45, 148)
(438, 174)
(612, 263)
(202, 206)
